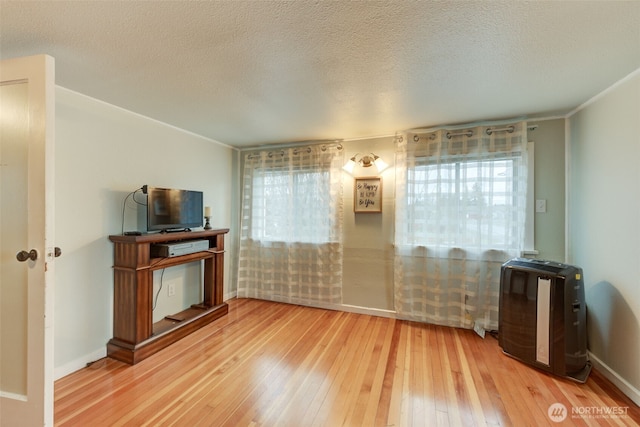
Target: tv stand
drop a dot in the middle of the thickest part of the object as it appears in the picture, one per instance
(135, 336)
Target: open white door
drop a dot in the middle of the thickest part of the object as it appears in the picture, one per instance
(27, 92)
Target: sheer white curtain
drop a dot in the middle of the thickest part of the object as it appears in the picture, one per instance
(291, 231)
(460, 213)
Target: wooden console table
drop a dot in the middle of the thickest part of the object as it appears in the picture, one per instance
(135, 336)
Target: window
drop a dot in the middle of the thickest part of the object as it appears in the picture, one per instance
(470, 190)
(289, 209)
(464, 203)
(291, 226)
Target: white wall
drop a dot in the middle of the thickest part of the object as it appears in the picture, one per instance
(102, 154)
(604, 223)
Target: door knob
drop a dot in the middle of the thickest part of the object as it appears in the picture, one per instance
(57, 252)
(22, 256)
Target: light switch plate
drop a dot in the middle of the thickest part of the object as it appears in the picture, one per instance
(541, 206)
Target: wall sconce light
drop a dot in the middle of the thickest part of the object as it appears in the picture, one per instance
(366, 161)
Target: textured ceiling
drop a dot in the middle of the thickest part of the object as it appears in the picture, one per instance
(252, 73)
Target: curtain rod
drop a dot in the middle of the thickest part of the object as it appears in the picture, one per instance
(311, 142)
(469, 132)
(296, 149)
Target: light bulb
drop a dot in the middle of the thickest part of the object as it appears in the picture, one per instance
(380, 164)
(348, 167)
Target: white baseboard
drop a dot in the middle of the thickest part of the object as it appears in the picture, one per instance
(379, 312)
(391, 314)
(76, 365)
(352, 309)
(230, 295)
(629, 390)
(13, 396)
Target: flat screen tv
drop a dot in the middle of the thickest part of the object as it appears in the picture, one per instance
(170, 209)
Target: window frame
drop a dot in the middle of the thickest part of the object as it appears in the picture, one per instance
(262, 233)
(457, 160)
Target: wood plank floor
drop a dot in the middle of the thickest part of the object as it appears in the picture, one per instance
(271, 364)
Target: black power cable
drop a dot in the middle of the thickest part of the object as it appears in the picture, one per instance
(133, 197)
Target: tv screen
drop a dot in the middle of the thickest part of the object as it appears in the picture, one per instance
(170, 209)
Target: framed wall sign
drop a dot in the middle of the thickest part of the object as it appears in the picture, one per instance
(367, 197)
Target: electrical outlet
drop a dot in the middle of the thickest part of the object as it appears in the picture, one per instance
(171, 289)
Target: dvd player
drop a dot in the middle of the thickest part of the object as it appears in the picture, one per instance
(168, 250)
